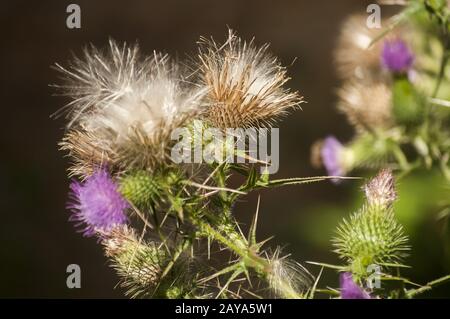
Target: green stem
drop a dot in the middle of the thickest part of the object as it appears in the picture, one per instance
(401, 158)
(180, 249)
(428, 286)
(251, 259)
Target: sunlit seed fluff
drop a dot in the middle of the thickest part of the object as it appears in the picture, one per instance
(130, 104)
(288, 278)
(245, 84)
(115, 241)
(367, 106)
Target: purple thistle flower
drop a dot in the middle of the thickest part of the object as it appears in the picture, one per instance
(396, 56)
(331, 156)
(349, 289)
(97, 204)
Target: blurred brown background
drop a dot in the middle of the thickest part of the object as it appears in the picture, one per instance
(36, 240)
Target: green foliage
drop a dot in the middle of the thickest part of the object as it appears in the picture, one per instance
(408, 105)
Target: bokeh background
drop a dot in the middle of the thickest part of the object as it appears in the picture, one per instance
(36, 240)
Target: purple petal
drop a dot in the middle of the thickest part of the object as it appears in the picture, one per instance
(331, 156)
(396, 56)
(97, 204)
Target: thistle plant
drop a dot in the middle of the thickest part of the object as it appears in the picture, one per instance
(165, 225)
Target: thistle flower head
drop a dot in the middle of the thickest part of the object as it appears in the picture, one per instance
(96, 205)
(381, 189)
(396, 56)
(349, 289)
(245, 84)
(130, 104)
(368, 106)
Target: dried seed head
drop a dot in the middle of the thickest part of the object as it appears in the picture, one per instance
(129, 104)
(367, 107)
(353, 56)
(86, 152)
(245, 84)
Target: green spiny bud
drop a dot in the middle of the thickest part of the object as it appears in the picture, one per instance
(172, 177)
(140, 188)
(372, 235)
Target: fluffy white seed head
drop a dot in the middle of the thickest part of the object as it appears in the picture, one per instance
(129, 103)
